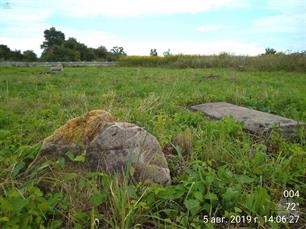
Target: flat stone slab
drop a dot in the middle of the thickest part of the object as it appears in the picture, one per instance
(256, 122)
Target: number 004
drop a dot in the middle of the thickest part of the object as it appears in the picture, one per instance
(291, 193)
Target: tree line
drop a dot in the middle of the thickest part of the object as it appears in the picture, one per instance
(6, 54)
(57, 48)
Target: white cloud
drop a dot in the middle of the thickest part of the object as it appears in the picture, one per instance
(22, 28)
(141, 7)
(94, 39)
(124, 7)
(21, 15)
(22, 25)
(208, 28)
(27, 19)
(24, 43)
(197, 48)
(289, 6)
(24, 33)
(32, 38)
(290, 18)
(293, 23)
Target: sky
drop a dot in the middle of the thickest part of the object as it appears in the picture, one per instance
(240, 27)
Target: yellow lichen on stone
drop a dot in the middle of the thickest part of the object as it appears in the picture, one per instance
(95, 120)
(80, 129)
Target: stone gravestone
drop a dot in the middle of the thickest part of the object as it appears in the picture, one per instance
(110, 146)
(256, 122)
(56, 69)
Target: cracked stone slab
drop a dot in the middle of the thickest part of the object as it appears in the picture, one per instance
(254, 121)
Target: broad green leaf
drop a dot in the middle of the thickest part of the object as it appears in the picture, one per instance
(61, 162)
(245, 179)
(191, 204)
(18, 168)
(80, 158)
(198, 195)
(211, 196)
(97, 198)
(70, 155)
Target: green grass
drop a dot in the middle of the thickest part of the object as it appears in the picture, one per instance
(217, 168)
(277, 62)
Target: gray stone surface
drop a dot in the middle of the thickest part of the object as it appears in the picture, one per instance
(110, 146)
(254, 121)
(56, 68)
(120, 143)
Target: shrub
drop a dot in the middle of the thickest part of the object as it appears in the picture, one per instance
(276, 62)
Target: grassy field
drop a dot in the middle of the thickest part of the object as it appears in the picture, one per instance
(217, 168)
(277, 62)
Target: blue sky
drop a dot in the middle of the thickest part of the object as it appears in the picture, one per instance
(183, 26)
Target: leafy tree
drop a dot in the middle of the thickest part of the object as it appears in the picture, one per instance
(29, 55)
(118, 51)
(69, 50)
(61, 53)
(270, 51)
(101, 53)
(5, 52)
(56, 48)
(52, 38)
(167, 53)
(153, 52)
(71, 43)
(86, 54)
(90, 54)
(16, 55)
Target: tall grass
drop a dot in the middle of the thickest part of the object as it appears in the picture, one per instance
(277, 62)
(148, 61)
(217, 169)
